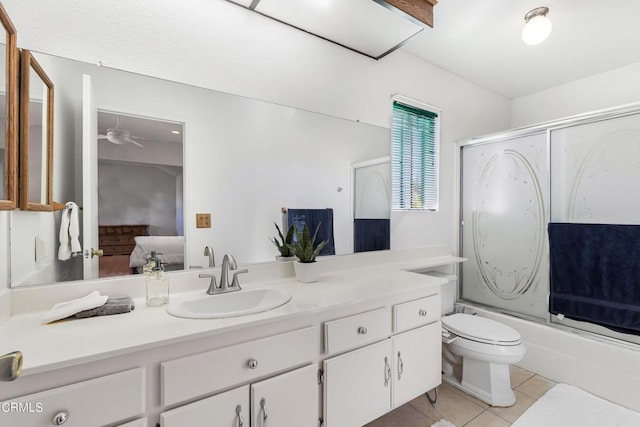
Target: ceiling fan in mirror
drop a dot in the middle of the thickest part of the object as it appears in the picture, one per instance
(120, 136)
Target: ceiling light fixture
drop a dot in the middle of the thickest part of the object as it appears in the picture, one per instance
(175, 132)
(537, 26)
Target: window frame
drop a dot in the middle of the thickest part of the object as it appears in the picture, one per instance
(428, 174)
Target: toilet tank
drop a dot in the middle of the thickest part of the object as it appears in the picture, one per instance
(448, 294)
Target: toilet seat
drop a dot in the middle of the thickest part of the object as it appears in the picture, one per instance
(481, 329)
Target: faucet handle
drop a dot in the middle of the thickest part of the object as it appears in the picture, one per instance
(212, 284)
(234, 282)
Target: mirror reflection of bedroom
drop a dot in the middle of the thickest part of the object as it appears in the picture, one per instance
(140, 193)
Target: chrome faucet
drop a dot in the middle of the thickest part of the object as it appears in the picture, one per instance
(208, 251)
(228, 263)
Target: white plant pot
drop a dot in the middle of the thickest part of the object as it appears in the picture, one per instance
(285, 258)
(307, 272)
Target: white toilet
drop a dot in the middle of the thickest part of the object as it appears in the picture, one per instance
(478, 355)
(477, 352)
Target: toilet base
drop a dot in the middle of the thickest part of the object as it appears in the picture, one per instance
(489, 382)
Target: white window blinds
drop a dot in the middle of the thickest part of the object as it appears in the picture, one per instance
(415, 138)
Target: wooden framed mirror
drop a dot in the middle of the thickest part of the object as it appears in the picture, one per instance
(9, 115)
(36, 136)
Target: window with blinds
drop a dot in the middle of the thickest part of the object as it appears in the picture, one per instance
(415, 136)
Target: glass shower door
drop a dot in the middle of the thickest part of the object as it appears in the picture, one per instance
(504, 204)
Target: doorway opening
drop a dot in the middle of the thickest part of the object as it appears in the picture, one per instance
(140, 192)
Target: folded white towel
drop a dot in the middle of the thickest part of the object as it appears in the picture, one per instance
(65, 309)
(69, 232)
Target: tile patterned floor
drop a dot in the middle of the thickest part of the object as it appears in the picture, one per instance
(464, 410)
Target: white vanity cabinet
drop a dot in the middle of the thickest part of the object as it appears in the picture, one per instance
(202, 374)
(363, 384)
(357, 385)
(286, 400)
(375, 332)
(417, 362)
(229, 409)
(264, 394)
(106, 400)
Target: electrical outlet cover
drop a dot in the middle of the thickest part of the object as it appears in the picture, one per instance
(203, 220)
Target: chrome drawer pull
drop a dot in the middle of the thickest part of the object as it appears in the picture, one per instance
(252, 363)
(362, 330)
(387, 372)
(60, 418)
(422, 313)
(400, 367)
(263, 408)
(239, 415)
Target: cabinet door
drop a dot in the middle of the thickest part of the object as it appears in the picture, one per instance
(288, 400)
(358, 385)
(229, 409)
(417, 359)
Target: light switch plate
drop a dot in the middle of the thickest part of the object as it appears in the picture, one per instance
(203, 220)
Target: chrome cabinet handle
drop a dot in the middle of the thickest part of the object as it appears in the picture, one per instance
(263, 408)
(422, 313)
(362, 330)
(10, 366)
(60, 418)
(239, 415)
(400, 366)
(252, 363)
(387, 372)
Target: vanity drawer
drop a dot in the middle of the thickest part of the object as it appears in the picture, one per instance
(141, 422)
(412, 314)
(356, 331)
(195, 376)
(101, 401)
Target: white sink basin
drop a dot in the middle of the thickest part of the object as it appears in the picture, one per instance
(233, 304)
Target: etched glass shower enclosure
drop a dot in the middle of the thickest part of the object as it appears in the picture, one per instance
(596, 171)
(504, 211)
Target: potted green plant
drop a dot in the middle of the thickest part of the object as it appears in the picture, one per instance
(306, 250)
(286, 254)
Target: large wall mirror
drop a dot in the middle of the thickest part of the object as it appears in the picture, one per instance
(200, 151)
(9, 113)
(36, 135)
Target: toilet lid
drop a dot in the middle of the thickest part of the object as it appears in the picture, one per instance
(480, 329)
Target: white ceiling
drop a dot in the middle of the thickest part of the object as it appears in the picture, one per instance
(480, 41)
(477, 40)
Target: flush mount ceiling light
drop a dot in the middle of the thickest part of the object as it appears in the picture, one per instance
(537, 26)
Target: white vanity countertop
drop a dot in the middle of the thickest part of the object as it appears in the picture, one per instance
(70, 342)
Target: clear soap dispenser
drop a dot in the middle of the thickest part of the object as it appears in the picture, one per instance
(152, 259)
(157, 286)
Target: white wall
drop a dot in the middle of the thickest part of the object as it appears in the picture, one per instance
(611, 89)
(27, 226)
(243, 53)
(131, 194)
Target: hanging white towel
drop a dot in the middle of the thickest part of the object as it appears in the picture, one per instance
(69, 232)
(65, 309)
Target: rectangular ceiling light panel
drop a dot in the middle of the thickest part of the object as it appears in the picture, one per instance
(245, 3)
(360, 25)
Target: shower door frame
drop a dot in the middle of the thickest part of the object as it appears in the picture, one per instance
(547, 128)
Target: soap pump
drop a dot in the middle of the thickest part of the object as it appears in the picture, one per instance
(157, 285)
(152, 259)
